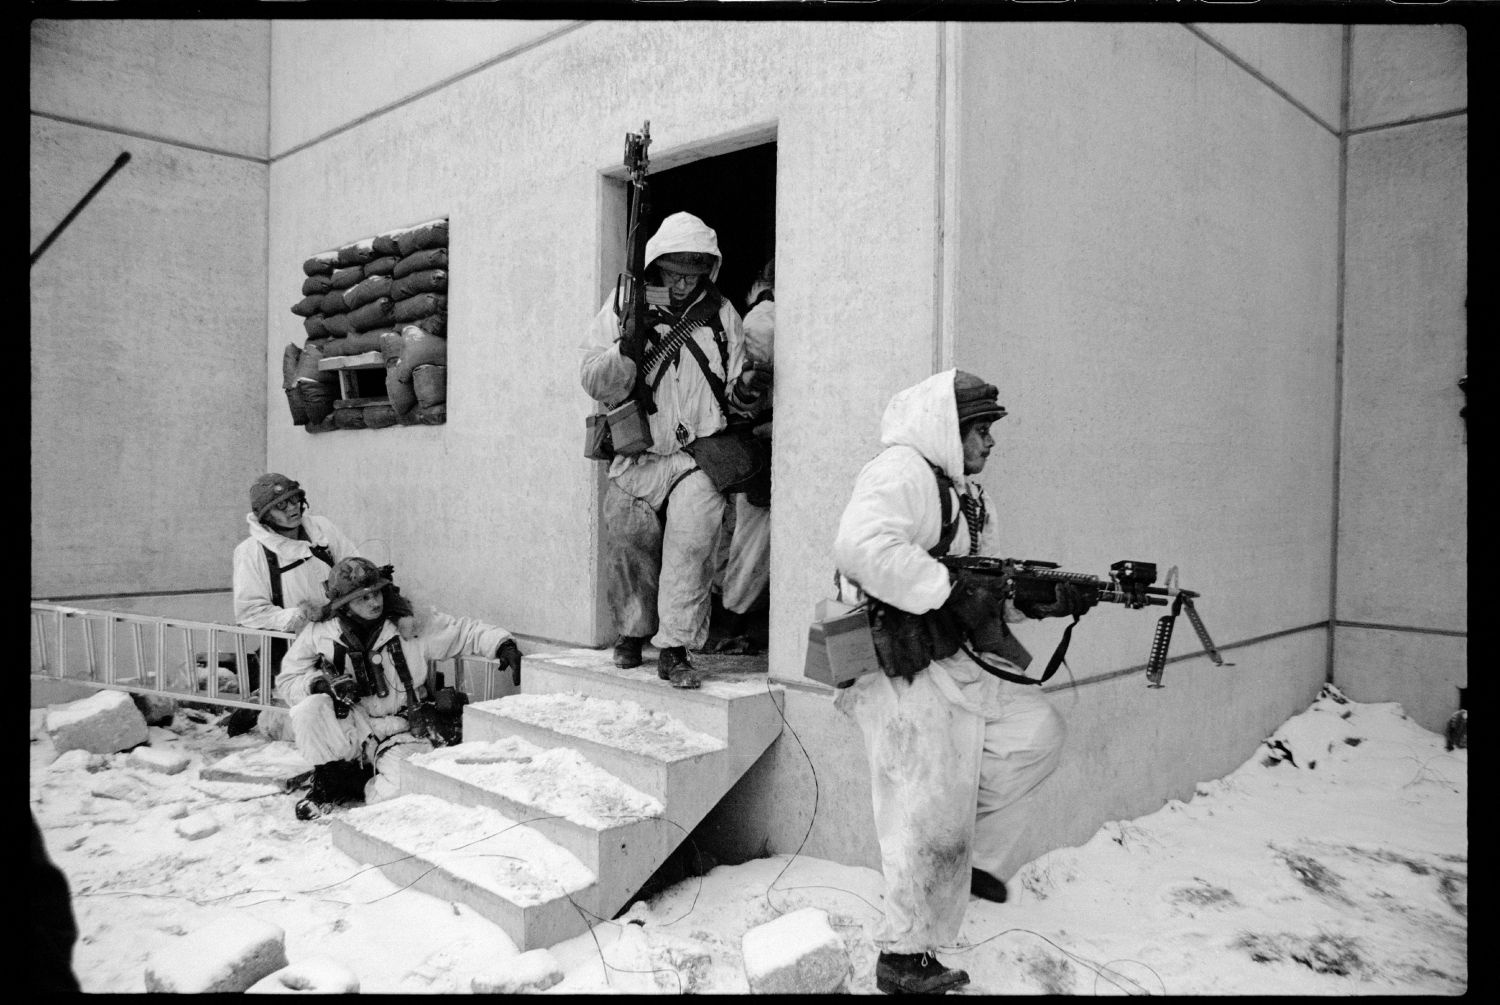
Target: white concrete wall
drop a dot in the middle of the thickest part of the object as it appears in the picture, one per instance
(1149, 272)
(1403, 539)
(330, 74)
(494, 513)
(148, 311)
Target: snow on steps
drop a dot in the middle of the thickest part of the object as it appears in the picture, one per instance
(473, 855)
(611, 768)
(615, 830)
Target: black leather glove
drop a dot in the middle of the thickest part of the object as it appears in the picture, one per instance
(449, 701)
(1068, 601)
(632, 342)
(755, 380)
(509, 654)
(423, 722)
(976, 608)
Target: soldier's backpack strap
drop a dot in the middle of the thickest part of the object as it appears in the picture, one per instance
(398, 660)
(949, 518)
(276, 568)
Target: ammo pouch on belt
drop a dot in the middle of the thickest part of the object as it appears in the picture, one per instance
(905, 643)
(730, 457)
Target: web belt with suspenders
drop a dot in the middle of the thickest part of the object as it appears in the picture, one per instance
(398, 660)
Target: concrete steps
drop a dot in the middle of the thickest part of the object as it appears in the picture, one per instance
(508, 873)
(596, 774)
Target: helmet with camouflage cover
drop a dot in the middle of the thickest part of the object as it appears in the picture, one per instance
(352, 578)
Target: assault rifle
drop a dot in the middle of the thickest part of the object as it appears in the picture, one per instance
(1026, 582)
(631, 298)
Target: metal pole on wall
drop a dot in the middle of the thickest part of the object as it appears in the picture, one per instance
(120, 162)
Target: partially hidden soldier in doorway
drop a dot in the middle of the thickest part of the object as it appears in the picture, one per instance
(748, 569)
(954, 748)
(664, 506)
(364, 697)
(279, 572)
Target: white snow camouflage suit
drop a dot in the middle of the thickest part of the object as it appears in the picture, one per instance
(953, 754)
(659, 570)
(373, 727)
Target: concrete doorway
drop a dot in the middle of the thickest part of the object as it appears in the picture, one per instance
(734, 192)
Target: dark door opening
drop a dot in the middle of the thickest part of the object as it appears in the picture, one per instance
(735, 194)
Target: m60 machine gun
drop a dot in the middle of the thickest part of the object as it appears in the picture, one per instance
(1131, 583)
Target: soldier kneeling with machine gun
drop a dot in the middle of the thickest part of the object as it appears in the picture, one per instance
(363, 697)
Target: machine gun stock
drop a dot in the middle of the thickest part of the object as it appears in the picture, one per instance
(1130, 583)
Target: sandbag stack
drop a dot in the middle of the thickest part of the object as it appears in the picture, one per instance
(387, 293)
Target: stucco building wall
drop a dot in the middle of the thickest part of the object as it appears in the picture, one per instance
(1149, 272)
(1149, 269)
(148, 312)
(1402, 603)
(494, 513)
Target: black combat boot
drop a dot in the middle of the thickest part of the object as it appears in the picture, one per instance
(735, 634)
(241, 720)
(628, 651)
(982, 884)
(915, 974)
(333, 783)
(673, 665)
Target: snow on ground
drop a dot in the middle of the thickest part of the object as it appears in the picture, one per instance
(1333, 862)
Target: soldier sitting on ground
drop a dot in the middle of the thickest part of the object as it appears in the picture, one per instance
(279, 572)
(363, 696)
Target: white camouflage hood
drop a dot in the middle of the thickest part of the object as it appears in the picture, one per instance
(925, 418)
(684, 232)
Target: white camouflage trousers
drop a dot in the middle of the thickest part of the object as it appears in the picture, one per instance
(381, 740)
(749, 567)
(949, 789)
(660, 572)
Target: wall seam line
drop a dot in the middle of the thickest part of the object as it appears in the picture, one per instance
(1341, 265)
(939, 252)
(429, 90)
(1413, 121)
(149, 137)
(265, 439)
(1406, 629)
(803, 684)
(1252, 71)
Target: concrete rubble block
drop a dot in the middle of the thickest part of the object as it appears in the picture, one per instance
(798, 953)
(276, 763)
(116, 786)
(75, 759)
(196, 826)
(103, 723)
(319, 975)
(227, 956)
(166, 762)
(528, 973)
(158, 709)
